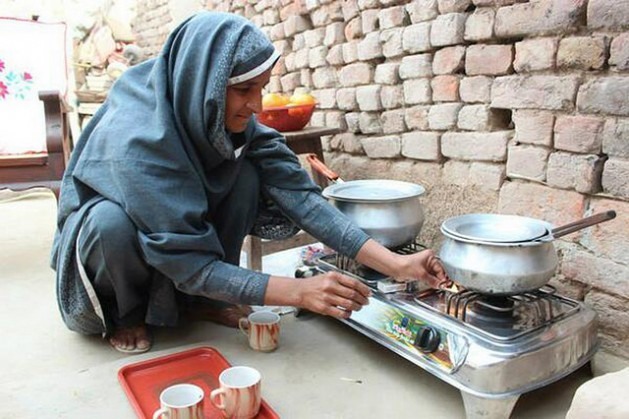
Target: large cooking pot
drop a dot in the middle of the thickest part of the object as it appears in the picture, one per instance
(389, 211)
(504, 254)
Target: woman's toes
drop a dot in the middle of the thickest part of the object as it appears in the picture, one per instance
(142, 340)
(131, 339)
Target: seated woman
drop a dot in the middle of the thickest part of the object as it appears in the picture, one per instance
(165, 183)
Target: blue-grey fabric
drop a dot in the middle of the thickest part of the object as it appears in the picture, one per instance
(158, 148)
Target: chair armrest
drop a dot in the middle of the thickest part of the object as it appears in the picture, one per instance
(57, 128)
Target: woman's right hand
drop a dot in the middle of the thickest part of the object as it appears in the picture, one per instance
(332, 294)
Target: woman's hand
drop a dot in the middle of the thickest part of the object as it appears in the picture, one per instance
(332, 294)
(423, 266)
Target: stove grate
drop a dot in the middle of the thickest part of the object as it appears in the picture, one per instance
(458, 304)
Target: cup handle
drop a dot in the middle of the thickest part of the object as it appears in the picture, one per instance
(214, 395)
(243, 325)
(163, 411)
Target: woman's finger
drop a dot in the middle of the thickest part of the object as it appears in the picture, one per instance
(433, 281)
(344, 303)
(338, 313)
(437, 268)
(350, 294)
(354, 284)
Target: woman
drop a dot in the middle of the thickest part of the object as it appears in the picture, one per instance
(165, 183)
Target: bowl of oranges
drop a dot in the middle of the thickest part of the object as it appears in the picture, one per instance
(287, 113)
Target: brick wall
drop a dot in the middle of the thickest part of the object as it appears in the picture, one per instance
(157, 18)
(503, 106)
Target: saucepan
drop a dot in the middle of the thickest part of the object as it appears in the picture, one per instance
(504, 254)
(387, 210)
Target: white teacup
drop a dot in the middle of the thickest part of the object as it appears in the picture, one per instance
(263, 330)
(239, 395)
(181, 401)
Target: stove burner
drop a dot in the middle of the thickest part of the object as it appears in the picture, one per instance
(489, 309)
(500, 316)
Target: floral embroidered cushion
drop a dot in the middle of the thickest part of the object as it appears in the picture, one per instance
(32, 58)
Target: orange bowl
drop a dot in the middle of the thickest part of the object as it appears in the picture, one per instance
(286, 118)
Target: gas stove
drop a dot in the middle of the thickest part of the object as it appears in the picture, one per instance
(493, 349)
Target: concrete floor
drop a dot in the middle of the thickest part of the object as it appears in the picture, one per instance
(50, 372)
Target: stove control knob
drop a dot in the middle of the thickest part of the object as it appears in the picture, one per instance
(305, 272)
(427, 339)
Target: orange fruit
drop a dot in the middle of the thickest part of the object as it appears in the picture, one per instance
(273, 100)
(302, 99)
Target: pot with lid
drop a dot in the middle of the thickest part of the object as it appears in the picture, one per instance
(504, 254)
(389, 211)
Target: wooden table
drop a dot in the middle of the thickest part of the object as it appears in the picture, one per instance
(305, 141)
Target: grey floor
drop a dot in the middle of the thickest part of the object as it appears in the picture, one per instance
(50, 372)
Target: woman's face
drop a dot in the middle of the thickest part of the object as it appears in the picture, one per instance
(243, 100)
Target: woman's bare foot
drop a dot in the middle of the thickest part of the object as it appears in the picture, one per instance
(228, 316)
(131, 340)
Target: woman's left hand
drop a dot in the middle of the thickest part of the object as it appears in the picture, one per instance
(423, 266)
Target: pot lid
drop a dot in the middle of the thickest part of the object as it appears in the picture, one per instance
(373, 190)
(496, 228)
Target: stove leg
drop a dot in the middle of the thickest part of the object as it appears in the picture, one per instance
(481, 408)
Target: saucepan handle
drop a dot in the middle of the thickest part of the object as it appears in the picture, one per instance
(320, 167)
(583, 223)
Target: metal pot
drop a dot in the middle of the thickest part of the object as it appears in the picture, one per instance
(478, 255)
(389, 211)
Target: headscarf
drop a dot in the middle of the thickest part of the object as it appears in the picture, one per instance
(155, 144)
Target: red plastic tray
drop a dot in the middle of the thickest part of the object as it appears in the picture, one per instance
(144, 381)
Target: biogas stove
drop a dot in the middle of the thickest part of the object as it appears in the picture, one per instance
(493, 349)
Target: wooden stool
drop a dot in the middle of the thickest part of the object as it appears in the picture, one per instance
(305, 141)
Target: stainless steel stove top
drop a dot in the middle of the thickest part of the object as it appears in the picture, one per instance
(492, 349)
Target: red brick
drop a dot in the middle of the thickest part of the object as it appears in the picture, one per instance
(615, 136)
(445, 88)
(537, 92)
(534, 127)
(476, 146)
(615, 175)
(581, 134)
(529, 162)
(535, 54)
(480, 25)
(492, 60)
(619, 52)
(539, 18)
(605, 95)
(582, 52)
(386, 147)
(448, 60)
(608, 14)
(581, 172)
(421, 145)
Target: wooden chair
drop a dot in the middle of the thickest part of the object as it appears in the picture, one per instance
(35, 138)
(25, 171)
(301, 142)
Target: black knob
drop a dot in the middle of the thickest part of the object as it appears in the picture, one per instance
(305, 272)
(427, 339)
